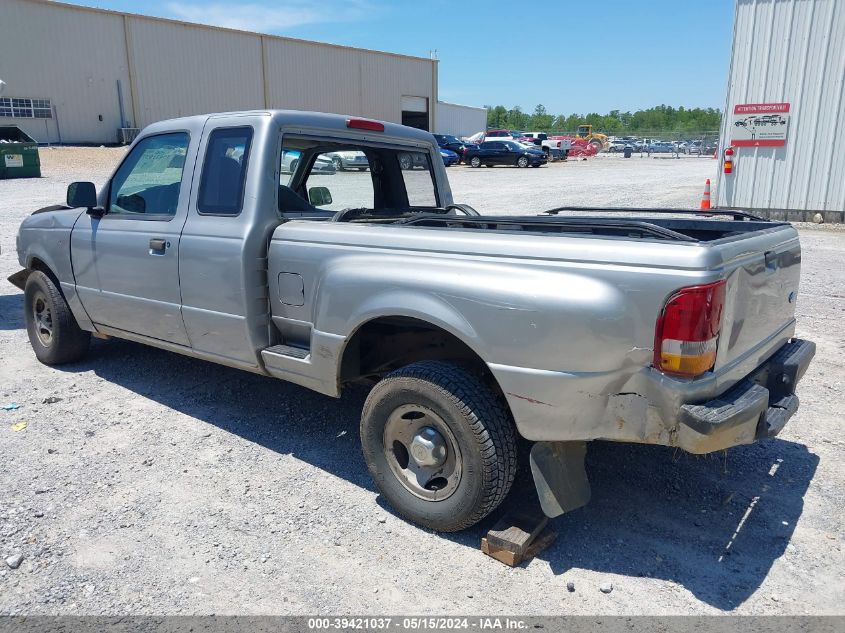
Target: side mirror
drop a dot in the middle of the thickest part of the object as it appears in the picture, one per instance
(82, 194)
(319, 196)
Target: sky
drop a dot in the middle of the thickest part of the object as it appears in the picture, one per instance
(572, 56)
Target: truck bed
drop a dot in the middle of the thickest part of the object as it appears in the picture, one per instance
(676, 229)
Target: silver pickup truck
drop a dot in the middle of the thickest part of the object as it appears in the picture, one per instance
(225, 237)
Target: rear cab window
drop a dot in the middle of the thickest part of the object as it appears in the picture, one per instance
(327, 175)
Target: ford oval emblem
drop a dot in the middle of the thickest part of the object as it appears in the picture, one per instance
(792, 297)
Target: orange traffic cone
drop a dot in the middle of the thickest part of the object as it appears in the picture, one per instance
(705, 197)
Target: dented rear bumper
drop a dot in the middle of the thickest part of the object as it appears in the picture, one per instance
(755, 408)
(751, 399)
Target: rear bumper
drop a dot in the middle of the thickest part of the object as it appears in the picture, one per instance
(755, 408)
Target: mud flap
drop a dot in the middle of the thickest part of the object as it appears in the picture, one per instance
(559, 475)
(19, 278)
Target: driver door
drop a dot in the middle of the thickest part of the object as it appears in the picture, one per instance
(126, 263)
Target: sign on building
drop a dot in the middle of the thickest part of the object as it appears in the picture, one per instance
(760, 125)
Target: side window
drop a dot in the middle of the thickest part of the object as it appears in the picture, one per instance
(346, 175)
(419, 182)
(224, 171)
(148, 181)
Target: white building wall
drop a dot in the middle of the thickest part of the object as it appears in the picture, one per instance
(74, 56)
(789, 51)
(182, 69)
(460, 120)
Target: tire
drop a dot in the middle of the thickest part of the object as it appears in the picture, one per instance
(405, 162)
(293, 165)
(53, 332)
(475, 433)
(475, 162)
(338, 164)
(522, 161)
(598, 145)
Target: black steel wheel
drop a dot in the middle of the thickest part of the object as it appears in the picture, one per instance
(53, 331)
(439, 445)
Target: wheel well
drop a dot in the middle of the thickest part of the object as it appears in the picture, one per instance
(37, 264)
(387, 343)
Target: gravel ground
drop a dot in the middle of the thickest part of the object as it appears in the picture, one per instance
(149, 483)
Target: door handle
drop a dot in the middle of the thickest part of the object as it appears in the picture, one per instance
(158, 246)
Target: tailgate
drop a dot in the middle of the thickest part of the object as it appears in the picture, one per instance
(763, 271)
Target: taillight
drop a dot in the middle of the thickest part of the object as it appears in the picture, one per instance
(687, 332)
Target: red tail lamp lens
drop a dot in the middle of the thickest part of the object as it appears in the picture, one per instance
(687, 332)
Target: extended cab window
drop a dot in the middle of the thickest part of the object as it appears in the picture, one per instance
(224, 171)
(147, 183)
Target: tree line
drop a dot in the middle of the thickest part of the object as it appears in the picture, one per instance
(660, 119)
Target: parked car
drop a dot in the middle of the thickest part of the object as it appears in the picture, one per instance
(692, 147)
(349, 160)
(555, 147)
(452, 143)
(291, 158)
(658, 147)
(619, 145)
(413, 160)
(655, 330)
(449, 157)
(491, 153)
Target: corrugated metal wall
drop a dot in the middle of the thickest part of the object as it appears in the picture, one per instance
(182, 69)
(460, 120)
(75, 55)
(789, 51)
(70, 56)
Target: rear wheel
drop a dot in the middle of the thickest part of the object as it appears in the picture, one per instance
(53, 332)
(405, 161)
(475, 162)
(523, 161)
(438, 444)
(337, 163)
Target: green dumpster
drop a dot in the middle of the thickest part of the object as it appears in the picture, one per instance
(18, 154)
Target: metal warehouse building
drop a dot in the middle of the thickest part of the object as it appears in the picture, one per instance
(78, 75)
(785, 111)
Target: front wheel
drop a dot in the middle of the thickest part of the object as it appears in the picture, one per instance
(438, 444)
(523, 161)
(337, 163)
(475, 162)
(53, 331)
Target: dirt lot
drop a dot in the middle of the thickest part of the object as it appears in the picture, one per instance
(150, 483)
